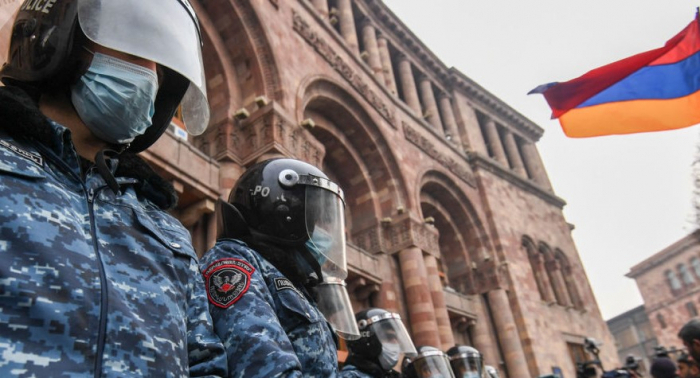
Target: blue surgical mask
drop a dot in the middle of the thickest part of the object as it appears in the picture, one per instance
(115, 99)
(390, 355)
(319, 244)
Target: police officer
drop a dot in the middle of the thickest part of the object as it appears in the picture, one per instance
(466, 362)
(97, 278)
(276, 273)
(383, 340)
(429, 362)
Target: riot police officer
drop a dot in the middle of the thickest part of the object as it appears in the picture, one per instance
(383, 340)
(466, 362)
(276, 273)
(429, 362)
(97, 278)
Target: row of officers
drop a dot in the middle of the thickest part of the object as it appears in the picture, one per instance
(100, 280)
(275, 280)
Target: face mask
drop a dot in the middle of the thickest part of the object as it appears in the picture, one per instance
(319, 243)
(471, 374)
(115, 99)
(389, 356)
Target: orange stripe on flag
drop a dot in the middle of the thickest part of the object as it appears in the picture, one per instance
(632, 117)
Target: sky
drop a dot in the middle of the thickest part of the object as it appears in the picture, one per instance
(627, 196)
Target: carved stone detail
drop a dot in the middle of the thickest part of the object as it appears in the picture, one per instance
(460, 170)
(408, 232)
(336, 61)
(266, 130)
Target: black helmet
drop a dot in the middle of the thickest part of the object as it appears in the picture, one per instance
(466, 361)
(383, 338)
(294, 207)
(430, 362)
(47, 34)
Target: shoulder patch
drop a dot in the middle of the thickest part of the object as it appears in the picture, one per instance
(227, 280)
(282, 283)
(32, 156)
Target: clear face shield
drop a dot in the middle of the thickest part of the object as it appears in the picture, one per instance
(432, 364)
(325, 226)
(467, 366)
(391, 333)
(165, 32)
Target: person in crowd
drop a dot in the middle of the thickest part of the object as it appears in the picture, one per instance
(383, 340)
(687, 367)
(275, 278)
(97, 278)
(428, 362)
(663, 367)
(690, 335)
(466, 362)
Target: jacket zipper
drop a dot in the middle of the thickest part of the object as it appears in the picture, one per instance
(103, 286)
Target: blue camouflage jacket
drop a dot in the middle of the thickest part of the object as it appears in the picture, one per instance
(270, 327)
(92, 282)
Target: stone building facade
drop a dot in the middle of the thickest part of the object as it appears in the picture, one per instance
(634, 336)
(451, 218)
(669, 283)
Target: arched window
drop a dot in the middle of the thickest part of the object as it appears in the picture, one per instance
(673, 280)
(538, 270)
(695, 263)
(688, 278)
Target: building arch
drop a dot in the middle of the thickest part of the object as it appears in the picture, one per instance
(539, 271)
(357, 155)
(237, 72)
(569, 279)
(462, 242)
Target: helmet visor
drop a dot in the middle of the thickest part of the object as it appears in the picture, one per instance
(325, 226)
(165, 32)
(433, 365)
(334, 302)
(467, 367)
(390, 330)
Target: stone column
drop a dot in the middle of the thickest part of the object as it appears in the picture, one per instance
(533, 163)
(408, 85)
(514, 154)
(482, 336)
(494, 142)
(429, 104)
(387, 67)
(321, 7)
(369, 38)
(347, 24)
(507, 332)
(420, 304)
(448, 119)
(557, 281)
(229, 172)
(436, 293)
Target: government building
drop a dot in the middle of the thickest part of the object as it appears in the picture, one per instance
(451, 218)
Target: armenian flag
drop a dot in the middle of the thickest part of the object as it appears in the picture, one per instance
(652, 91)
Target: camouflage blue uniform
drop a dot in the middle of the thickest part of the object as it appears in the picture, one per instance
(270, 327)
(92, 282)
(351, 371)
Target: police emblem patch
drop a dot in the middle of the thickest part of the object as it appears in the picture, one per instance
(227, 280)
